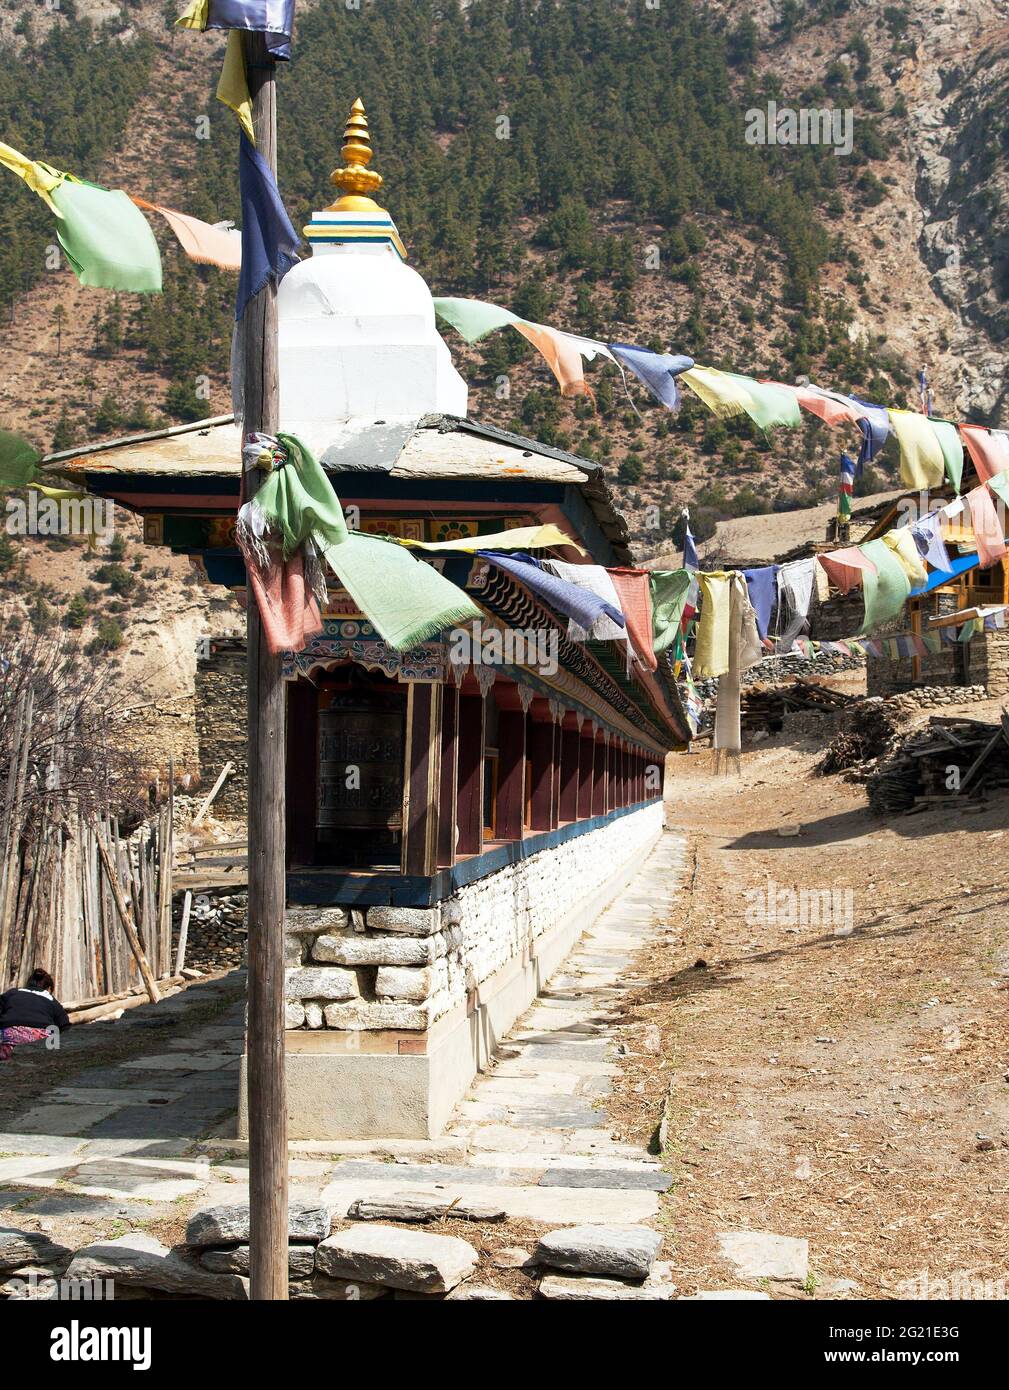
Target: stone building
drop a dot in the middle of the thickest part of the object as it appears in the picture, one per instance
(499, 805)
(220, 721)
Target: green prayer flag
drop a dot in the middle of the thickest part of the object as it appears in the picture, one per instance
(18, 460)
(952, 450)
(106, 238)
(669, 590)
(999, 484)
(473, 319)
(407, 601)
(886, 591)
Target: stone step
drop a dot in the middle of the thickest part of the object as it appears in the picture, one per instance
(545, 1205)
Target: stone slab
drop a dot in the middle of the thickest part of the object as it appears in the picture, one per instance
(300, 1261)
(411, 1260)
(627, 1178)
(229, 1224)
(67, 1120)
(764, 1255)
(625, 1251)
(140, 1261)
(544, 1205)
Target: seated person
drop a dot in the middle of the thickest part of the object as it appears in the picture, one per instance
(26, 1015)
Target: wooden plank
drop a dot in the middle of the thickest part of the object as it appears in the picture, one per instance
(225, 773)
(127, 924)
(180, 953)
(511, 774)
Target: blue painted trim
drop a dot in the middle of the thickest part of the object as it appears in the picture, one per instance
(331, 888)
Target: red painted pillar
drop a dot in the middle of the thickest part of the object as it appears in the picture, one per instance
(511, 762)
(586, 770)
(541, 765)
(469, 797)
(569, 742)
(599, 775)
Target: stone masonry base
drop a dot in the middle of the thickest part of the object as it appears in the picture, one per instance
(356, 1082)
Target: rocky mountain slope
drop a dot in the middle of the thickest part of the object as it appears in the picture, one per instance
(903, 244)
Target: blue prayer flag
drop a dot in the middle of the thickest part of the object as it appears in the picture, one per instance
(269, 242)
(274, 18)
(689, 550)
(656, 370)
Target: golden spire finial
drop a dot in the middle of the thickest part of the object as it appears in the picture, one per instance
(355, 180)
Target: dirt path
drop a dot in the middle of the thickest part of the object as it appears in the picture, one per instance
(843, 1080)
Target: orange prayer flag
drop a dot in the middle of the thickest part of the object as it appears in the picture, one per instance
(201, 242)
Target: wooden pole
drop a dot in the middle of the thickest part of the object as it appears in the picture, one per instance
(267, 1096)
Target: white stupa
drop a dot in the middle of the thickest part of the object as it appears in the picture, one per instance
(357, 335)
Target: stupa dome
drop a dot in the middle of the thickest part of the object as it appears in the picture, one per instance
(357, 334)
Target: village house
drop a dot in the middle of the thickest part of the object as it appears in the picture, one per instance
(456, 815)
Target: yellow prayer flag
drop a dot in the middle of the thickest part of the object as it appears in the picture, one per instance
(39, 177)
(196, 16)
(520, 538)
(922, 462)
(233, 87)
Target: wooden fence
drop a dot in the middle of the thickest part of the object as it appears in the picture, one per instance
(86, 903)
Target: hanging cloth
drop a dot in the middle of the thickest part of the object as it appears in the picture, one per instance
(922, 463)
(202, 242)
(988, 534)
(795, 593)
(989, 450)
(763, 587)
(519, 538)
(927, 535)
(711, 653)
(632, 589)
(580, 604)
(233, 84)
(744, 650)
(269, 242)
(885, 588)
(669, 590)
(563, 353)
(275, 18)
(901, 542)
(609, 623)
(295, 512)
(952, 449)
(655, 370)
(727, 394)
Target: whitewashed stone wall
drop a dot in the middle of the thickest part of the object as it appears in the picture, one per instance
(403, 968)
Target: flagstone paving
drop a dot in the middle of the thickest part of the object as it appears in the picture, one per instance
(114, 1142)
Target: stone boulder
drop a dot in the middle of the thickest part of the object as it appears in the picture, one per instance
(229, 1225)
(300, 1261)
(410, 1260)
(140, 1261)
(627, 1252)
(21, 1248)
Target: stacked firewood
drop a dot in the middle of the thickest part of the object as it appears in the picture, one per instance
(952, 761)
(765, 706)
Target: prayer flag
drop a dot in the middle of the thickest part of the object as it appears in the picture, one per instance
(655, 370)
(275, 18)
(269, 242)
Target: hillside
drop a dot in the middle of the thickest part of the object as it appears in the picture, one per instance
(624, 202)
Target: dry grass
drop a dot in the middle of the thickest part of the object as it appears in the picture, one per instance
(821, 1085)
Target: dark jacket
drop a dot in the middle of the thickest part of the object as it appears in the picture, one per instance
(24, 1008)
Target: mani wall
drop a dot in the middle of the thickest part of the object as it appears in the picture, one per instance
(404, 968)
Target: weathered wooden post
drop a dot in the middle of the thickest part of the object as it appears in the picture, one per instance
(267, 1097)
